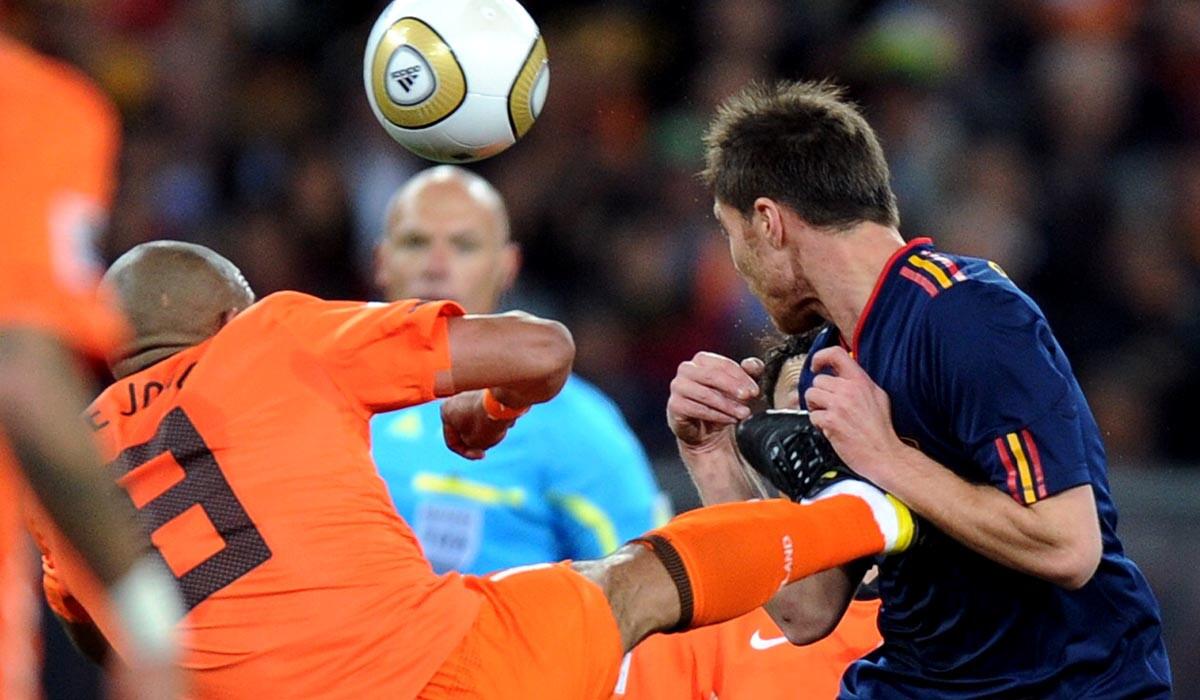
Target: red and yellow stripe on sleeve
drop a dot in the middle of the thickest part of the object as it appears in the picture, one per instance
(1019, 455)
(931, 271)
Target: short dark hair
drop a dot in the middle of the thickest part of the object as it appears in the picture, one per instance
(803, 145)
(777, 354)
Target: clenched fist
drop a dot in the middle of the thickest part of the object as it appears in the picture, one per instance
(855, 414)
(467, 427)
(709, 395)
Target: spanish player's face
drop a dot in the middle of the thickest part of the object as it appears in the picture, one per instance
(736, 229)
(768, 271)
(442, 243)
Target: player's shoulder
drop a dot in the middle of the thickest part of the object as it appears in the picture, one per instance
(271, 314)
(56, 90)
(278, 305)
(978, 292)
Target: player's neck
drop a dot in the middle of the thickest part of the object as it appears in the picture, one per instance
(856, 260)
(145, 359)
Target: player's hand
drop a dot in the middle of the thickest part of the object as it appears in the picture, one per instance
(466, 426)
(854, 413)
(709, 395)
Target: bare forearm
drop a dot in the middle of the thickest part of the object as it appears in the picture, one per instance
(718, 474)
(546, 356)
(42, 396)
(809, 609)
(1043, 540)
(523, 359)
(520, 394)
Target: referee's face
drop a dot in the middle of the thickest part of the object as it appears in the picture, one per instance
(443, 243)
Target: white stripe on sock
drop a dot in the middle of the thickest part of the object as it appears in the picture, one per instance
(884, 511)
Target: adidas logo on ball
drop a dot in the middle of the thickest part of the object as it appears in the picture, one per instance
(407, 77)
(410, 79)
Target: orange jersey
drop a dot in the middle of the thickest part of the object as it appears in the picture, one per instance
(58, 142)
(747, 657)
(248, 459)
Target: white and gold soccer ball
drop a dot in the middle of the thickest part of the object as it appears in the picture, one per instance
(456, 80)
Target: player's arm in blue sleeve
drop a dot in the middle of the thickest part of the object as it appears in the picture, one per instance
(602, 487)
(992, 370)
(1009, 394)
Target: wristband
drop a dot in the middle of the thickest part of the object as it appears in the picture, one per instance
(498, 411)
(148, 605)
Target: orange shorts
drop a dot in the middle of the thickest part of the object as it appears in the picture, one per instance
(544, 631)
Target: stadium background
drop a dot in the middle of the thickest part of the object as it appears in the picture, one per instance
(1060, 138)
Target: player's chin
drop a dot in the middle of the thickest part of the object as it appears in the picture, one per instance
(799, 318)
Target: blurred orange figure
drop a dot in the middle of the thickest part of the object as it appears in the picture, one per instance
(58, 144)
(47, 204)
(59, 137)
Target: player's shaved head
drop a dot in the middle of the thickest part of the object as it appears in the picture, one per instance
(174, 295)
(447, 237)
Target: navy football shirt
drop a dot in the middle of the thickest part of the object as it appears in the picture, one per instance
(978, 383)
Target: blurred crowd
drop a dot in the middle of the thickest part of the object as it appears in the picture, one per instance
(1060, 138)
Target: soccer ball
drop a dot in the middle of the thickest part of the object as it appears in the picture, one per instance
(456, 81)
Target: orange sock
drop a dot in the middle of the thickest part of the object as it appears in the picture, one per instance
(728, 559)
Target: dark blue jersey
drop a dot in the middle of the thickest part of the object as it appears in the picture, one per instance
(978, 383)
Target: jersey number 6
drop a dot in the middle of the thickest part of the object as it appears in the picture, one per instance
(205, 485)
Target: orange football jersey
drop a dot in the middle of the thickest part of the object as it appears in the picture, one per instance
(747, 657)
(58, 145)
(248, 459)
(58, 142)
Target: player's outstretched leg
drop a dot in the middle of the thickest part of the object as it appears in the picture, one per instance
(714, 564)
(555, 630)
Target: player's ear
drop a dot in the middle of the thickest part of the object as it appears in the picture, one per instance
(768, 217)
